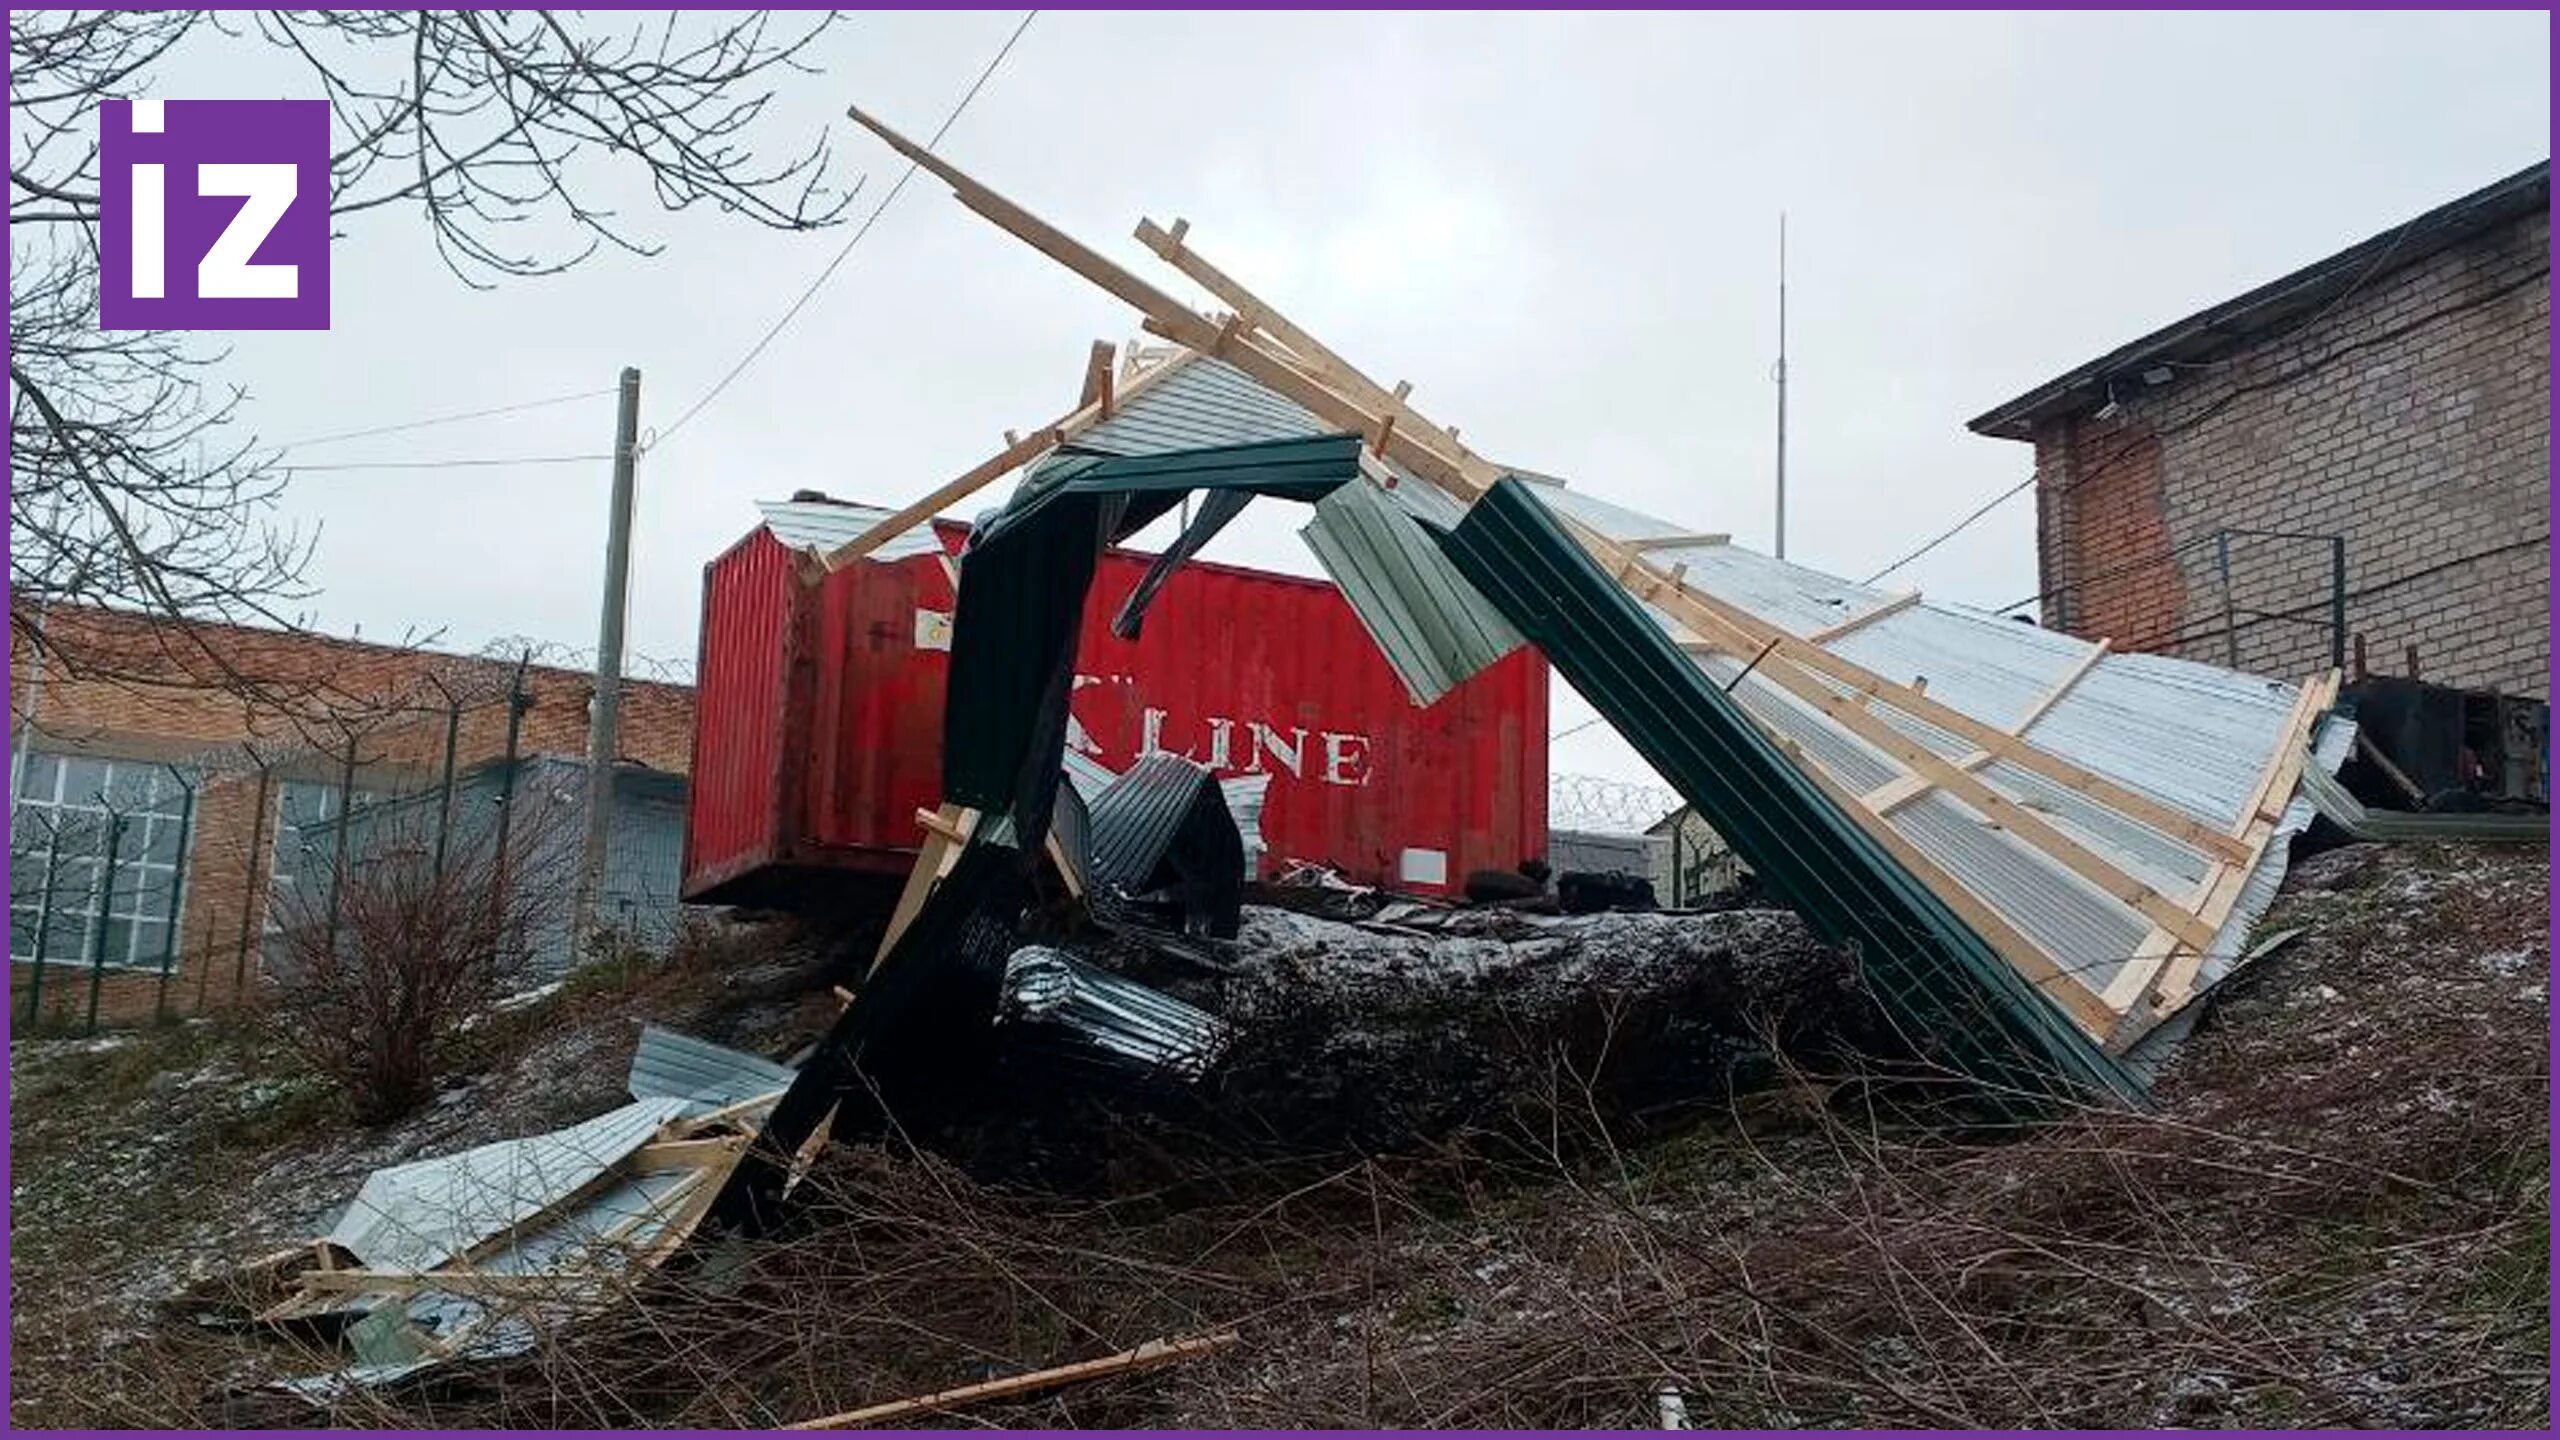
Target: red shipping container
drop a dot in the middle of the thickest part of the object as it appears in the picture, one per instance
(818, 724)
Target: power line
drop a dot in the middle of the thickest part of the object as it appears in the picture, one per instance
(463, 462)
(810, 292)
(442, 420)
(1954, 530)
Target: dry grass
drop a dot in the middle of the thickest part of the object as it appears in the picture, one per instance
(2339, 1216)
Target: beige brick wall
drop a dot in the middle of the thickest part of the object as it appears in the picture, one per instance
(2413, 417)
(127, 688)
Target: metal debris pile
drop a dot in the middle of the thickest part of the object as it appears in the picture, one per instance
(473, 1256)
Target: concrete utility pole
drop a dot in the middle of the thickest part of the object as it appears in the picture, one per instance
(605, 714)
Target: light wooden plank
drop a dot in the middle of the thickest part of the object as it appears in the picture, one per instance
(1884, 610)
(1902, 790)
(2064, 686)
(1700, 541)
(933, 861)
(2009, 814)
(1144, 1357)
(969, 482)
(1729, 629)
(2220, 893)
(1098, 378)
(1018, 451)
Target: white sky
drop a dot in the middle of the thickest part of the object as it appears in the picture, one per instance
(1561, 229)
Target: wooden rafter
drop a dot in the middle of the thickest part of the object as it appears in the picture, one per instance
(1258, 340)
(1100, 403)
(1885, 609)
(1894, 794)
(1677, 542)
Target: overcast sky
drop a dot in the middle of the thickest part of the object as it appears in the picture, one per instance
(1561, 229)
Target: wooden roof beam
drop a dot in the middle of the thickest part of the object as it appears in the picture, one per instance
(1885, 610)
(1019, 450)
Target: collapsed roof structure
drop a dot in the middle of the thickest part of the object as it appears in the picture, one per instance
(2041, 850)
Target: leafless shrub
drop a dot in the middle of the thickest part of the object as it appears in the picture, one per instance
(408, 927)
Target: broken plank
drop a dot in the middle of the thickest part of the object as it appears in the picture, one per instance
(929, 866)
(685, 1154)
(969, 482)
(1458, 471)
(1323, 364)
(1699, 541)
(1017, 453)
(1098, 380)
(1885, 610)
(1144, 1357)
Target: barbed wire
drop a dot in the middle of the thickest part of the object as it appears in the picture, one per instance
(555, 655)
(1593, 802)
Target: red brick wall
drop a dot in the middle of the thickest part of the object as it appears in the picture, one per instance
(2413, 417)
(127, 688)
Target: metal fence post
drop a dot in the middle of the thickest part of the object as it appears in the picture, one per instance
(250, 906)
(338, 849)
(444, 810)
(44, 921)
(177, 892)
(106, 904)
(500, 876)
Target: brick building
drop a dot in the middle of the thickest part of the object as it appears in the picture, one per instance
(214, 748)
(2396, 394)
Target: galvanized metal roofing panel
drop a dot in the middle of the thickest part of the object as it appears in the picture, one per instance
(1204, 403)
(1941, 976)
(706, 1077)
(1120, 1018)
(418, 1216)
(1434, 628)
(823, 525)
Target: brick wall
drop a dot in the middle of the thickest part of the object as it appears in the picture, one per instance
(121, 687)
(2413, 417)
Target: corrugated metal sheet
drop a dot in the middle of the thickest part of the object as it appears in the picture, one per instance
(2194, 737)
(1206, 402)
(1136, 819)
(1119, 1018)
(1433, 627)
(706, 1077)
(821, 526)
(1943, 980)
(419, 1216)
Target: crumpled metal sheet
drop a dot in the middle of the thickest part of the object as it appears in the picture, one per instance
(1108, 1014)
(706, 1077)
(1163, 828)
(1434, 628)
(417, 1216)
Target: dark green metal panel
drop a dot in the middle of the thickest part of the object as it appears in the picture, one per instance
(1942, 981)
(1022, 594)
